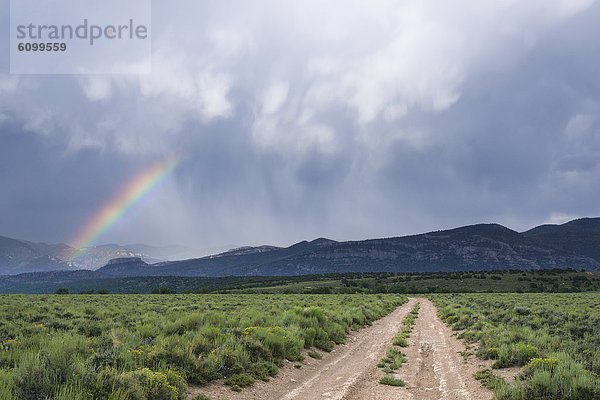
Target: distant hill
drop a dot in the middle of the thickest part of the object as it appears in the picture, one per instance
(471, 248)
(580, 236)
(98, 256)
(19, 256)
(127, 266)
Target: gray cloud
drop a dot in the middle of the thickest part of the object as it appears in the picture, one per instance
(321, 119)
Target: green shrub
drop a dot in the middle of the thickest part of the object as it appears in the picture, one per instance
(315, 354)
(6, 385)
(274, 342)
(393, 359)
(157, 386)
(32, 378)
(515, 355)
(238, 381)
(162, 290)
(540, 364)
(470, 336)
(522, 310)
(559, 379)
(177, 380)
(183, 324)
(89, 329)
(489, 353)
(489, 379)
(265, 369)
(400, 340)
(70, 392)
(391, 380)
(118, 394)
(234, 359)
(174, 350)
(148, 331)
(208, 369)
(523, 353)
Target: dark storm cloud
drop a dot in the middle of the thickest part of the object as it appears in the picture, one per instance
(336, 119)
(48, 194)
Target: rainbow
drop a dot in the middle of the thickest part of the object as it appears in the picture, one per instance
(114, 210)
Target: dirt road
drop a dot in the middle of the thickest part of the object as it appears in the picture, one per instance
(435, 369)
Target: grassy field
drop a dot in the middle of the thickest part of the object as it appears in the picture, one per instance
(439, 282)
(554, 337)
(384, 282)
(151, 346)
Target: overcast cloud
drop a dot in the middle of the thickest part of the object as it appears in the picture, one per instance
(301, 119)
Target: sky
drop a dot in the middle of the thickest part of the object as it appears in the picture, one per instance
(295, 120)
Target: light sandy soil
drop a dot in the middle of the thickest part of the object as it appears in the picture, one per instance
(434, 370)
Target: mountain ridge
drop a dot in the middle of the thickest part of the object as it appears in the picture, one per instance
(468, 248)
(489, 246)
(22, 256)
(568, 236)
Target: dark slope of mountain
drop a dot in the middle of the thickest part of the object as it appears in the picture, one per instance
(46, 282)
(53, 276)
(240, 251)
(128, 266)
(580, 236)
(19, 256)
(477, 247)
(60, 250)
(470, 248)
